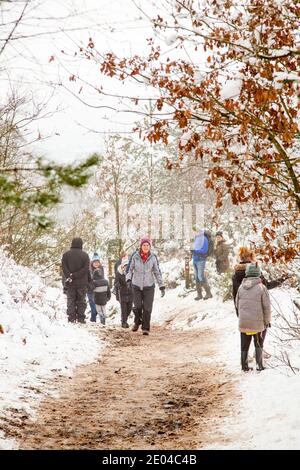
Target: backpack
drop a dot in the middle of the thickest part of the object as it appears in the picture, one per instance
(210, 250)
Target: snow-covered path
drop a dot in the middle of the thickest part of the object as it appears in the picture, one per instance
(155, 392)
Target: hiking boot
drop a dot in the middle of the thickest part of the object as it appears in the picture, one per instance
(259, 359)
(135, 327)
(199, 291)
(145, 332)
(125, 325)
(244, 361)
(198, 297)
(208, 294)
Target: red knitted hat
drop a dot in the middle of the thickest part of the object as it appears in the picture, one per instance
(145, 240)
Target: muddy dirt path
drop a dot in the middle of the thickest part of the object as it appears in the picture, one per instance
(155, 392)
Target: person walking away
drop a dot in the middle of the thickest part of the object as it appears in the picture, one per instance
(95, 264)
(102, 293)
(201, 248)
(254, 308)
(247, 256)
(75, 266)
(123, 292)
(221, 253)
(142, 271)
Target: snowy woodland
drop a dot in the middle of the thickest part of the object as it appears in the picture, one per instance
(110, 111)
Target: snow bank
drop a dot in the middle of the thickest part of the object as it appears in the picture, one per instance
(38, 344)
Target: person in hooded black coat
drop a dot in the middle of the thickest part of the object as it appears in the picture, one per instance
(75, 266)
(124, 292)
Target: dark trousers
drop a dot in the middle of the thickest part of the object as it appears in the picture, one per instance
(92, 306)
(76, 304)
(258, 340)
(143, 302)
(126, 308)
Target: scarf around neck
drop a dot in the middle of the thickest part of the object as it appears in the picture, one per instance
(144, 256)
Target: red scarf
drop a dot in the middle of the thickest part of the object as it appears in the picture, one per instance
(144, 255)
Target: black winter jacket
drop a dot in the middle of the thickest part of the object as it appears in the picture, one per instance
(123, 292)
(102, 292)
(75, 264)
(91, 283)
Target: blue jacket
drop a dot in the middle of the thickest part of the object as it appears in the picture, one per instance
(200, 248)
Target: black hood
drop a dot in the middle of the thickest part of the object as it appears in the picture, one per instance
(77, 243)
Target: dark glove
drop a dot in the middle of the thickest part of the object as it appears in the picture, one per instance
(129, 283)
(162, 291)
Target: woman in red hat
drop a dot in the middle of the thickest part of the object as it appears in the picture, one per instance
(142, 272)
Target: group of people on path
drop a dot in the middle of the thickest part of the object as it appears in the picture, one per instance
(135, 279)
(134, 284)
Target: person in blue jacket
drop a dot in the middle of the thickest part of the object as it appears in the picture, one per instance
(202, 247)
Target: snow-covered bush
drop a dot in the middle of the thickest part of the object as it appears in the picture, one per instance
(173, 272)
(171, 248)
(224, 285)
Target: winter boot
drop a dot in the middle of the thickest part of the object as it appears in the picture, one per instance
(199, 291)
(244, 361)
(259, 358)
(208, 294)
(135, 327)
(71, 318)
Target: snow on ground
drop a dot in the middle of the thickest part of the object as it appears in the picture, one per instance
(38, 343)
(267, 414)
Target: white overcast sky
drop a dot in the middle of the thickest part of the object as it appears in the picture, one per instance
(114, 25)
